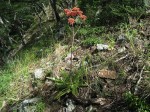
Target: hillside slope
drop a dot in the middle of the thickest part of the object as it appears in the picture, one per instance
(104, 69)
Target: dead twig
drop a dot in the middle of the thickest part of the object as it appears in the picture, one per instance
(138, 82)
(121, 58)
(110, 104)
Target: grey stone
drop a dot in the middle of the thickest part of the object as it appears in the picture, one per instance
(102, 47)
(30, 101)
(28, 105)
(39, 73)
(70, 106)
(120, 50)
(121, 39)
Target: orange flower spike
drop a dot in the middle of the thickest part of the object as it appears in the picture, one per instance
(71, 21)
(75, 9)
(83, 17)
(73, 13)
(68, 13)
(66, 10)
(79, 12)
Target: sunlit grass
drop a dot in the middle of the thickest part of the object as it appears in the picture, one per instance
(15, 75)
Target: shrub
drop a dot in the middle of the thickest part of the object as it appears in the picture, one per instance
(111, 12)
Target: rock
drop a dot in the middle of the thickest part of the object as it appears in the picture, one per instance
(121, 39)
(108, 74)
(102, 47)
(39, 74)
(28, 105)
(30, 101)
(121, 50)
(70, 106)
(27, 108)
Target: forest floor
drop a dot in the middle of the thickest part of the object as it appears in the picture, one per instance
(109, 70)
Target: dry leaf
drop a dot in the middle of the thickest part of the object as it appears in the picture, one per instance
(107, 74)
(101, 101)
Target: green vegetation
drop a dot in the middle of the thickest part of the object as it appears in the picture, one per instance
(70, 82)
(112, 12)
(16, 70)
(40, 107)
(136, 104)
(109, 74)
(15, 19)
(15, 75)
(90, 41)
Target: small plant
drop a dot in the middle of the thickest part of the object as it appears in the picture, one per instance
(135, 103)
(90, 41)
(131, 35)
(70, 83)
(40, 106)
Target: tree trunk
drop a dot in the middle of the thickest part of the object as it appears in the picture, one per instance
(53, 5)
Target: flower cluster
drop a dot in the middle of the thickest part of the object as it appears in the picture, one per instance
(72, 13)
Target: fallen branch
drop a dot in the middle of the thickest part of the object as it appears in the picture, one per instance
(138, 82)
(121, 58)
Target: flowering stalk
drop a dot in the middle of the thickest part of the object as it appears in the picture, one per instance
(72, 44)
(73, 14)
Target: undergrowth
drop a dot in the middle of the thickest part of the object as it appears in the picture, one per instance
(70, 82)
(135, 103)
(15, 75)
(15, 72)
